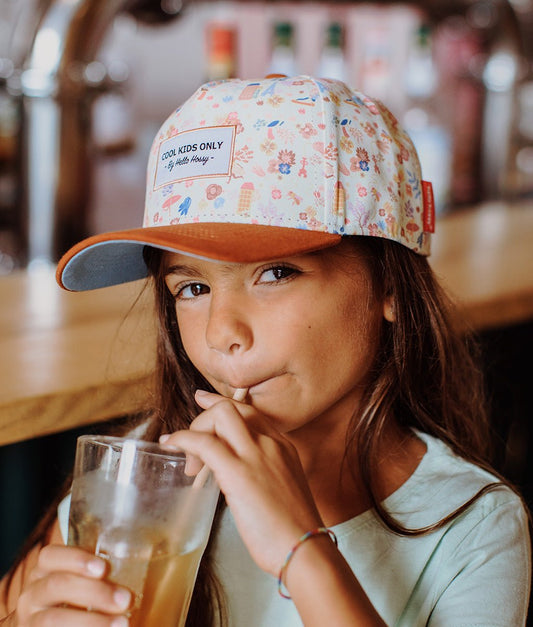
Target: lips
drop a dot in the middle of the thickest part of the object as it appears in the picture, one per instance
(258, 386)
(248, 385)
(252, 385)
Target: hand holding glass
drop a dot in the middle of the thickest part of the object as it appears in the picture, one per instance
(133, 504)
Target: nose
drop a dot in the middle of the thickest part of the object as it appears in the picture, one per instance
(228, 330)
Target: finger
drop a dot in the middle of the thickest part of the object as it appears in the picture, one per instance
(225, 421)
(213, 451)
(55, 557)
(59, 617)
(193, 465)
(210, 398)
(254, 420)
(63, 587)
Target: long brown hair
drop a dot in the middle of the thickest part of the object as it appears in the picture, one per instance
(425, 374)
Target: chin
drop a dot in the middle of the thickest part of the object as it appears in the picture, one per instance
(284, 420)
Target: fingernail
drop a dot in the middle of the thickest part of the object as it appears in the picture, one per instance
(122, 598)
(120, 621)
(164, 438)
(202, 393)
(96, 568)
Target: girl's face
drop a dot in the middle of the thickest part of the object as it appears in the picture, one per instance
(300, 333)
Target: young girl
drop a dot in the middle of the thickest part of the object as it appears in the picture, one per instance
(308, 356)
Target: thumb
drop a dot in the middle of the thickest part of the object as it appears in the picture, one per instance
(207, 399)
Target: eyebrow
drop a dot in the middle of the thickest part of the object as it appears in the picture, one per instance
(190, 270)
(182, 269)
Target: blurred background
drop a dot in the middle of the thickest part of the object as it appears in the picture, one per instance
(84, 85)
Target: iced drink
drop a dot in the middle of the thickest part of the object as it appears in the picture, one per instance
(152, 530)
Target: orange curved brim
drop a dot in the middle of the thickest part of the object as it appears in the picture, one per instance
(116, 257)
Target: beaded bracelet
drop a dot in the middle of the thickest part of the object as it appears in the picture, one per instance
(310, 534)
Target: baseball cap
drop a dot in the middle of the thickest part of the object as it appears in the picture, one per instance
(253, 170)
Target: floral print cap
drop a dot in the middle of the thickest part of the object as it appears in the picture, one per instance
(253, 170)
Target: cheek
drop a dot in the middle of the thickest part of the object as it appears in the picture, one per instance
(357, 337)
(191, 336)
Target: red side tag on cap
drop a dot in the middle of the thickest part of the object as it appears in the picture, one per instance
(429, 207)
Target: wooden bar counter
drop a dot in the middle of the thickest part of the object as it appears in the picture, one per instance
(72, 359)
(484, 256)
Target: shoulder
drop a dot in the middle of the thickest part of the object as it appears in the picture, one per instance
(444, 483)
(498, 518)
(484, 562)
(493, 514)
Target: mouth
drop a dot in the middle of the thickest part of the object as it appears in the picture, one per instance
(250, 387)
(237, 392)
(263, 384)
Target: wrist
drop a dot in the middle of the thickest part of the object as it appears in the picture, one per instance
(322, 534)
(324, 588)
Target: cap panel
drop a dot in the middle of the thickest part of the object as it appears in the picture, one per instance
(293, 152)
(380, 177)
(272, 159)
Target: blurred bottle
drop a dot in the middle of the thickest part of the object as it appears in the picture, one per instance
(155, 11)
(221, 44)
(332, 63)
(425, 120)
(9, 127)
(374, 43)
(10, 220)
(501, 75)
(283, 57)
(458, 51)
(521, 183)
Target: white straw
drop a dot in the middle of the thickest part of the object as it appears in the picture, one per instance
(240, 394)
(126, 493)
(125, 466)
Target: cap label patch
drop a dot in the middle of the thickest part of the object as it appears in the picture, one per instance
(193, 154)
(429, 207)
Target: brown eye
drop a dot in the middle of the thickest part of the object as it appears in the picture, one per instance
(276, 274)
(192, 290)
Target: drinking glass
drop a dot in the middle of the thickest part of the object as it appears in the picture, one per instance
(134, 504)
